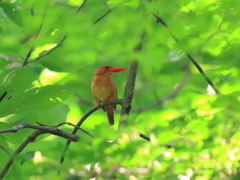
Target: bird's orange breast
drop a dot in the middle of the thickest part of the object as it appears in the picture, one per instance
(103, 88)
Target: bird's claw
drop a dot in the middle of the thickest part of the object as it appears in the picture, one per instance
(110, 101)
(98, 105)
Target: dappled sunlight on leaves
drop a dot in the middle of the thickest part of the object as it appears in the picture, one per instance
(48, 77)
(193, 134)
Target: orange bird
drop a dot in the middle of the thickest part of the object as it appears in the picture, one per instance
(104, 89)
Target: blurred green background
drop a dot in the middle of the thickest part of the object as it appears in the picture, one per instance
(203, 127)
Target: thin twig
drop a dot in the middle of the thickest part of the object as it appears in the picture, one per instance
(47, 52)
(32, 48)
(28, 140)
(4, 149)
(130, 84)
(40, 130)
(85, 116)
(80, 7)
(50, 50)
(105, 14)
(144, 136)
(28, 56)
(203, 73)
(149, 139)
(70, 124)
(170, 95)
(4, 94)
(160, 20)
(43, 129)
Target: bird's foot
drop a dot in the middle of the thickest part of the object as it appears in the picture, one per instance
(110, 101)
(98, 105)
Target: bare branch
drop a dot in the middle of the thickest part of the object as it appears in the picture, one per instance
(105, 14)
(85, 116)
(4, 94)
(149, 139)
(28, 140)
(46, 52)
(43, 129)
(203, 73)
(170, 95)
(32, 48)
(40, 130)
(50, 50)
(4, 149)
(70, 124)
(80, 7)
(28, 56)
(129, 87)
(144, 136)
(160, 20)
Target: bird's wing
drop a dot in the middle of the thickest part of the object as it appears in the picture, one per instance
(115, 108)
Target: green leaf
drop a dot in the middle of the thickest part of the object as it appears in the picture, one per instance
(16, 79)
(5, 125)
(55, 115)
(13, 12)
(34, 100)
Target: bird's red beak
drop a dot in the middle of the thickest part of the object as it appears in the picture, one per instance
(115, 69)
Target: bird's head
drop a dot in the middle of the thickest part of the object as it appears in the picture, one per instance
(108, 70)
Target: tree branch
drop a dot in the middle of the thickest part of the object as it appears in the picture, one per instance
(28, 140)
(32, 48)
(129, 87)
(4, 149)
(203, 73)
(85, 116)
(40, 130)
(105, 14)
(149, 139)
(26, 62)
(70, 124)
(45, 52)
(4, 94)
(144, 136)
(161, 21)
(170, 95)
(43, 129)
(80, 7)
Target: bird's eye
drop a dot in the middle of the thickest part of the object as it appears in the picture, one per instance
(106, 67)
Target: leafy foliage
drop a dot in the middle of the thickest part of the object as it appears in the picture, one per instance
(201, 126)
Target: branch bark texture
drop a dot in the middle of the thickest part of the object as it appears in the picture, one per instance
(44, 129)
(129, 87)
(39, 130)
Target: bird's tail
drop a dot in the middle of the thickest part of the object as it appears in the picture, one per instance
(109, 111)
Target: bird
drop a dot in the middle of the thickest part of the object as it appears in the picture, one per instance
(104, 89)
